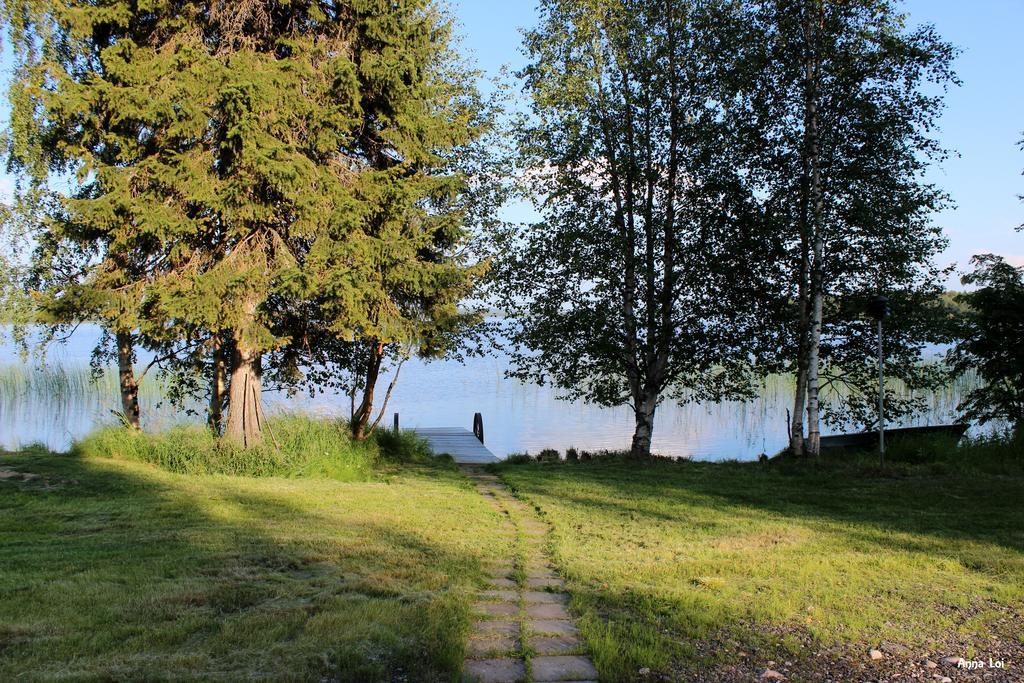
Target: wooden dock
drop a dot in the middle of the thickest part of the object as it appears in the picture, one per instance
(462, 444)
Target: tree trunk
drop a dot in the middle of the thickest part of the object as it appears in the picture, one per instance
(361, 416)
(246, 418)
(126, 378)
(813, 401)
(817, 278)
(796, 428)
(643, 408)
(218, 386)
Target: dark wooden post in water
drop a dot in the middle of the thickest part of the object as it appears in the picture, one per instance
(396, 423)
(478, 426)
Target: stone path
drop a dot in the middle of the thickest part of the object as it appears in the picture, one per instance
(524, 631)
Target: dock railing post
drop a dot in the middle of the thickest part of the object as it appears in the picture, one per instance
(478, 426)
(396, 423)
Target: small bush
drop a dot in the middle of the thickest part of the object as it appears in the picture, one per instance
(999, 453)
(402, 446)
(572, 455)
(918, 450)
(519, 459)
(548, 455)
(306, 447)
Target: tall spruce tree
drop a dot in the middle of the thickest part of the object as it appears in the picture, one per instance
(234, 161)
(72, 118)
(418, 137)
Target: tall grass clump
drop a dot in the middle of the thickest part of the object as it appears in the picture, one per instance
(997, 453)
(300, 447)
(402, 446)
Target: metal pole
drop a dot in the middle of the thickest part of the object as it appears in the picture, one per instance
(881, 398)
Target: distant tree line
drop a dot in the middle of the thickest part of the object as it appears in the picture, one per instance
(301, 195)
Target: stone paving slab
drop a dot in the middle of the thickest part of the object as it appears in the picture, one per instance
(496, 627)
(497, 609)
(555, 645)
(562, 668)
(539, 573)
(488, 647)
(561, 627)
(502, 595)
(494, 671)
(502, 582)
(545, 596)
(547, 611)
(541, 584)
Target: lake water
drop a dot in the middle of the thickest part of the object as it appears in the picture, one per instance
(517, 417)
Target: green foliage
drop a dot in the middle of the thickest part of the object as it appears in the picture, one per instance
(548, 455)
(238, 168)
(996, 453)
(20, 223)
(306, 447)
(993, 453)
(992, 329)
(626, 291)
(879, 93)
(403, 446)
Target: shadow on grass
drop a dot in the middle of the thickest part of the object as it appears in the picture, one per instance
(715, 572)
(113, 571)
(975, 508)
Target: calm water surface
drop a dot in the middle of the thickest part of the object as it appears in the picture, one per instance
(517, 417)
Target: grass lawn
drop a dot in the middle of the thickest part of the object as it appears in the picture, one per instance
(115, 570)
(719, 571)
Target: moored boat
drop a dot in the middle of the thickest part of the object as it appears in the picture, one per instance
(870, 439)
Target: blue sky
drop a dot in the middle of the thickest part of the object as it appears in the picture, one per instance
(983, 121)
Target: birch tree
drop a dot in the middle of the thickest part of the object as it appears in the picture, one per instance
(843, 101)
(627, 291)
